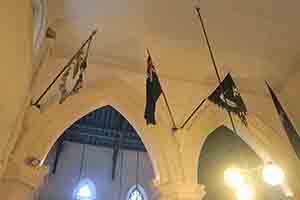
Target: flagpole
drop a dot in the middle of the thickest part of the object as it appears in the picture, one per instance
(36, 103)
(165, 99)
(193, 113)
(214, 63)
(169, 109)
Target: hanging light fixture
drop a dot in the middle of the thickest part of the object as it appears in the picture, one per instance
(245, 192)
(273, 174)
(81, 171)
(238, 179)
(137, 169)
(234, 177)
(121, 174)
(85, 187)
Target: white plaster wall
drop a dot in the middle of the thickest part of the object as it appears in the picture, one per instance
(98, 166)
(16, 70)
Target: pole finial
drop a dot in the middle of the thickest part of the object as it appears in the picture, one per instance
(94, 32)
(268, 85)
(266, 82)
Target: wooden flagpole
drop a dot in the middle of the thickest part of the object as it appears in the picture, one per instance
(193, 113)
(169, 109)
(214, 64)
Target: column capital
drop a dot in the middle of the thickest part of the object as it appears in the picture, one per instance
(178, 191)
(25, 173)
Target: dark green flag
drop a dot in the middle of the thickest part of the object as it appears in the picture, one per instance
(227, 96)
(153, 92)
(290, 130)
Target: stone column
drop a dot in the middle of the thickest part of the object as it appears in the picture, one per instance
(20, 181)
(178, 191)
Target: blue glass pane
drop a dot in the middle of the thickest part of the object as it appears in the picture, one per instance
(84, 192)
(136, 195)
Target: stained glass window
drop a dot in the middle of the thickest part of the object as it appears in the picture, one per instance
(85, 190)
(136, 193)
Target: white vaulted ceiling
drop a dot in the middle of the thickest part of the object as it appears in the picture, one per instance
(255, 40)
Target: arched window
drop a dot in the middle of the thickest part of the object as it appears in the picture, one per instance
(136, 192)
(85, 190)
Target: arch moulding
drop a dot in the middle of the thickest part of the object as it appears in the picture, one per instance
(43, 129)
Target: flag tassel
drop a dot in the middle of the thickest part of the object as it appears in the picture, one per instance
(36, 103)
(214, 62)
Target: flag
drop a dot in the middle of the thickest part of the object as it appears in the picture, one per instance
(227, 96)
(291, 132)
(79, 81)
(153, 91)
(79, 68)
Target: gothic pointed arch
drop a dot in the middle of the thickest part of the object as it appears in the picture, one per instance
(224, 149)
(262, 139)
(48, 126)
